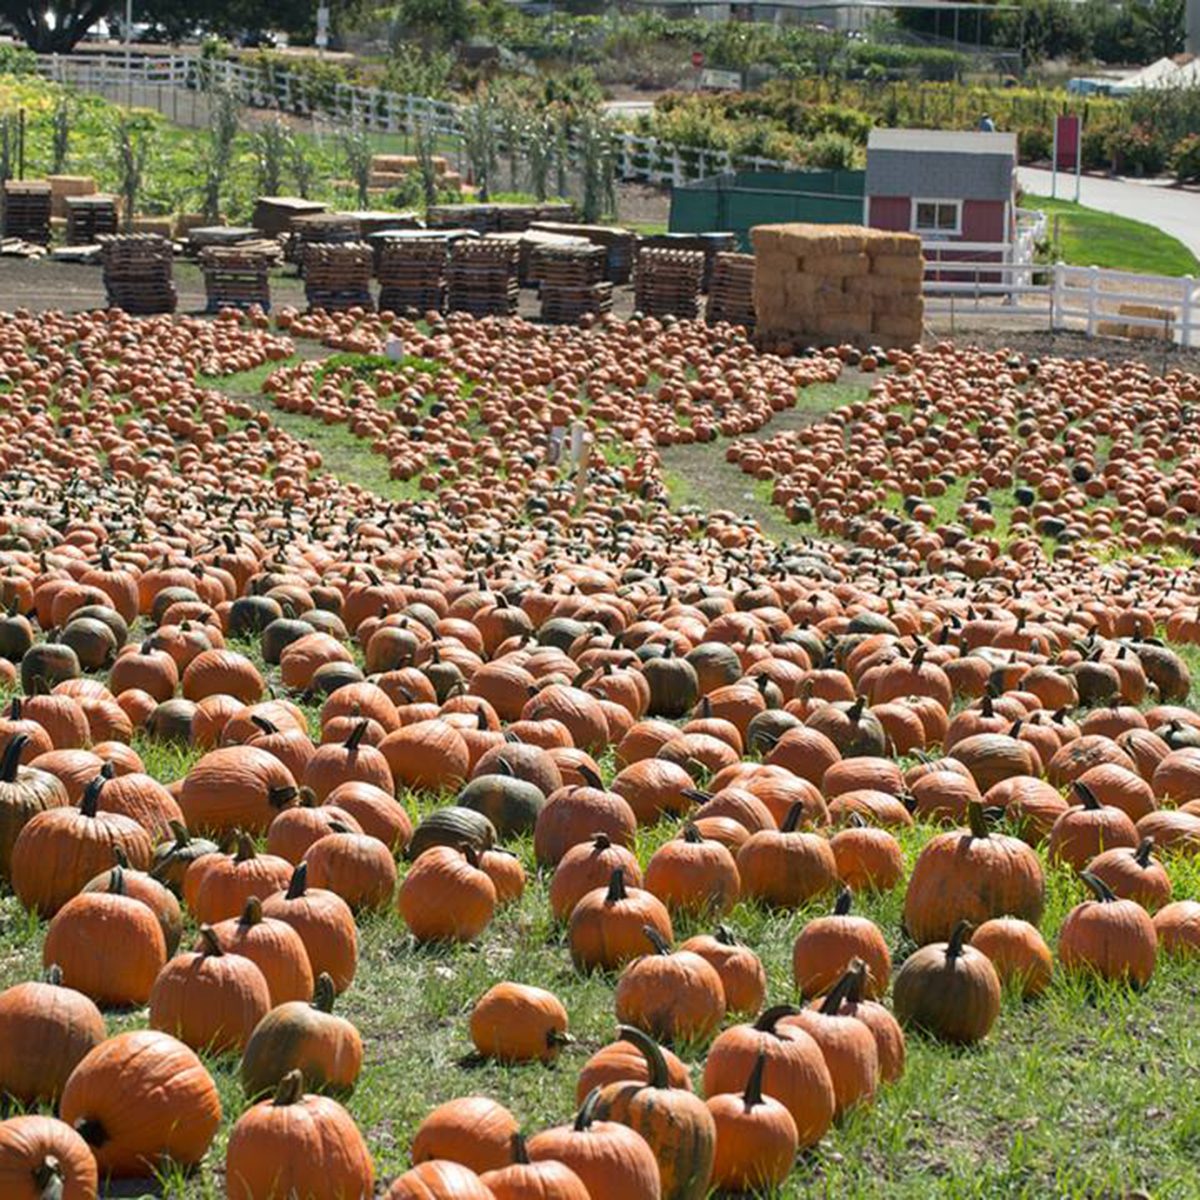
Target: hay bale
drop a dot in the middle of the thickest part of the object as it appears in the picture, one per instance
(62, 186)
(899, 266)
(905, 245)
(907, 327)
(1162, 331)
(156, 225)
(898, 306)
(837, 266)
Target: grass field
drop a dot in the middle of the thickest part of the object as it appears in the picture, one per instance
(1088, 238)
(1090, 1092)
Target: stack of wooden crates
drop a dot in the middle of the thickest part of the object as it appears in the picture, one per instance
(838, 283)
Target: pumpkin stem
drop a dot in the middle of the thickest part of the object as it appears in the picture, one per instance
(852, 981)
(725, 936)
(290, 1089)
(656, 939)
(281, 797)
(841, 906)
(12, 758)
(252, 914)
(1085, 796)
(1142, 854)
(308, 798)
(958, 939)
(323, 993)
(267, 727)
(590, 777)
(976, 819)
(90, 802)
(116, 880)
(47, 1178)
(587, 1111)
(356, 736)
(53, 975)
(616, 886)
(855, 711)
(692, 834)
(772, 1016)
(1100, 889)
(245, 848)
(520, 1151)
(695, 795)
(211, 945)
(298, 884)
(179, 829)
(792, 820)
(918, 656)
(985, 705)
(650, 1051)
(753, 1095)
(92, 1132)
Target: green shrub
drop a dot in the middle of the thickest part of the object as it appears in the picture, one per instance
(1138, 150)
(832, 152)
(1185, 159)
(1034, 143)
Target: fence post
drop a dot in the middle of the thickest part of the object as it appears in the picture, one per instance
(1186, 311)
(1093, 292)
(1057, 284)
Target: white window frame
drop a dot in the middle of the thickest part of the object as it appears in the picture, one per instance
(933, 234)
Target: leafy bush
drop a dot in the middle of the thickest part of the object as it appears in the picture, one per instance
(1185, 159)
(1138, 150)
(832, 152)
(1035, 143)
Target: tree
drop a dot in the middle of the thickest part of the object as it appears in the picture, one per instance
(52, 28)
(1161, 21)
(434, 23)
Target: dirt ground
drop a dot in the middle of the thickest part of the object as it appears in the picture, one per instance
(39, 285)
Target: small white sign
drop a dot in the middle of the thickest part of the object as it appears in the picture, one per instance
(322, 38)
(721, 81)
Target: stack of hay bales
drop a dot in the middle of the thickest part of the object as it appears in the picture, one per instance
(838, 283)
(62, 186)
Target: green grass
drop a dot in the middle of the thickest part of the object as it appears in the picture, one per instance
(1088, 238)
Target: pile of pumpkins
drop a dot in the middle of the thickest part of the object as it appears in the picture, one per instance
(176, 575)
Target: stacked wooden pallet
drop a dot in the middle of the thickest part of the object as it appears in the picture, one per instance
(483, 218)
(572, 282)
(412, 274)
(89, 218)
(138, 273)
(27, 210)
(337, 275)
(619, 244)
(667, 283)
(709, 244)
(237, 276)
(321, 229)
(273, 215)
(481, 278)
(731, 290)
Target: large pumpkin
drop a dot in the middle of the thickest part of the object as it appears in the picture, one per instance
(45, 1159)
(974, 875)
(141, 1098)
(297, 1145)
(675, 1124)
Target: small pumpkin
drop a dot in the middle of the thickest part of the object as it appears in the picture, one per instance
(303, 1036)
(514, 1022)
(756, 1136)
(208, 999)
(446, 897)
(826, 946)
(949, 989)
(525, 1180)
(325, 924)
(475, 1131)
(607, 926)
(676, 996)
(1110, 937)
(1018, 952)
(741, 970)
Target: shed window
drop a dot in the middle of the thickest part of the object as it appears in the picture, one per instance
(937, 216)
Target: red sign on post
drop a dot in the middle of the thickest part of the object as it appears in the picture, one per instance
(1067, 133)
(697, 59)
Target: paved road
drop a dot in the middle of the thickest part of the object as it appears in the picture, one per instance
(1172, 210)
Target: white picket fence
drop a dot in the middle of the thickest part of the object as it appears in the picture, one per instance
(640, 159)
(1090, 299)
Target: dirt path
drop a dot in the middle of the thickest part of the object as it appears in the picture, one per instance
(699, 474)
